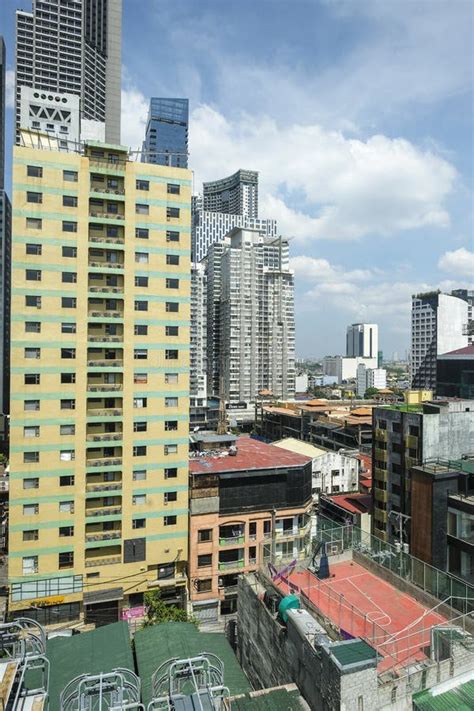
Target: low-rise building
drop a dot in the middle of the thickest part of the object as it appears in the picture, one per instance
(346, 509)
(240, 497)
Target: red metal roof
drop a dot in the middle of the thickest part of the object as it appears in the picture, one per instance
(467, 351)
(354, 503)
(251, 454)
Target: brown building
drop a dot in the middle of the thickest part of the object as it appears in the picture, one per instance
(239, 498)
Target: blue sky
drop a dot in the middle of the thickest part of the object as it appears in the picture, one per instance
(358, 115)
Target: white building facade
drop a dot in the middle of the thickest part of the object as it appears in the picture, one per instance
(370, 378)
(362, 340)
(198, 354)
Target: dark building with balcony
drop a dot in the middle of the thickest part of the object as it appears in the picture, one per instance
(455, 373)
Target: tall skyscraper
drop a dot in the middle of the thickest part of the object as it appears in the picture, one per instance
(235, 195)
(5, 264)
(251, 327)
(100, 380)
(198, 357)
(73, 47)
(166, 137)
(438, 325)
(468, 296)
(362, 340)
(210, 227)
(2, 111)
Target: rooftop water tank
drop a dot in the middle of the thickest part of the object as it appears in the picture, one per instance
(290, 602)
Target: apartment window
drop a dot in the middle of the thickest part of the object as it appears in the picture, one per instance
(32, 378)
(140, 426)
(171, 426)
(66, 506)
(140, 329)
(169, 496)
(138, 499)
(141, 305)
(69, 226)
(31, 405)
(68, 378)
(141, 281)
(68, 404)
(32, 327)
(32, 483)
(139, 402)
(30, 509)
(34, 301)
(142, 185)
(70, 176)
(140, 353)
(171, 378)
(172, 307)
(141, 233)
(33, 274)
(66, 480)
(68, 302)
(31, 457)
(139, 523)
(205, 535)
(32, 353)
(34, 171)
(140, 378)
(34, 249)
(172, 259)
(30, 565)
(67, 455)
(34, 197)
(172, 330)
(171, 448)
(172, 212)
(172, 236)
(31, 535)
(69, 201)
(205, 560)
(171, 402)
(139, 475)
(171, 354)
(142, 209)
(172, 283)
(69, 251)
(31, 431)
(139, 450)
(68, 327)
(170, 520)
(68, 353)
(112, 231)
(66, 531)
(173, 189)
(66, 560)
(141, 257)
(67, 429)
(204, 585)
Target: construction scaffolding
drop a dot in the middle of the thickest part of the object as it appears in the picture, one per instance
(24, 668)
(110, 691)
(195, 683)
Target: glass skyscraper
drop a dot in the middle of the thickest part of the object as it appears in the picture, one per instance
(166, 138)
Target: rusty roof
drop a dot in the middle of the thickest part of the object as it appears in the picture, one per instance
(251, 454)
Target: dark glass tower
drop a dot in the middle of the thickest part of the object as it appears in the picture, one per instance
(166, 138)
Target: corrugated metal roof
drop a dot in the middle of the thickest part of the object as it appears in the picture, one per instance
(461, 699)
(251, 455)
(353, 652)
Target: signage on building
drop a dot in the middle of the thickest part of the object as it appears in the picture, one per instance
(132, 613)
(47, 601)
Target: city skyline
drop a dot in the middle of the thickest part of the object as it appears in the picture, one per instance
(363, 168)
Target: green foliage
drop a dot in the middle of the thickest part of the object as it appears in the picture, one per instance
(370, 393)
(158, 611)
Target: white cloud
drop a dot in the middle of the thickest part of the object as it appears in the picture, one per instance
(459, 262)
(10, 88)
(134, 116)
(325, 273)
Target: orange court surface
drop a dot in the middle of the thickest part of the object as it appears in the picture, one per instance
(360, 604)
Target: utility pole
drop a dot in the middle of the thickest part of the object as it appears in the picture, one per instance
(401, 520)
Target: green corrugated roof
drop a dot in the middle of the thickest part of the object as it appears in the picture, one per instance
(459, 699)
(101, 650)
(155, 645)
(274, 700)
(353, 652)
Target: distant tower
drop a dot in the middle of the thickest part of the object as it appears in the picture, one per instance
(362, 340)
(166, 136)
(235, 195)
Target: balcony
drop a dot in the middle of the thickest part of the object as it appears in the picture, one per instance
(105, 314)
(107, 560)
(380, 435)
(106, 215)
(177, 579)
(104, 387)
(105, 437)
(105, 362)
(380, 515)
(105, 412)
(103, 536)
(105, 339)
(232, 534)
(104, 462)
(99, 190)
(104, 486)
(103, 511)
(105, 289)
(381, 495)
(381, 454)
(232, 541)
(231, 564)
(105, 264)
(411, 442)
(106, 240)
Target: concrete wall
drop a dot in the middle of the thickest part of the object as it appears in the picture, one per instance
(449, 435)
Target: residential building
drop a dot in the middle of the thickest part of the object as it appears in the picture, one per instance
(370, 378)
(55, 116)
(2, 110)
(301, 383)
(73, 48)
(455, 373)
(442, 494)
(99, 381)
(235, 195)
(362, 340)
(166, 136)
(251, 346)
(438, 325)
(5, 265)
(405, 436)
(468, 296)
(198, 357)
(345, 368)
(253, 493)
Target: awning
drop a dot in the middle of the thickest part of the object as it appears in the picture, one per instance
(98, 596)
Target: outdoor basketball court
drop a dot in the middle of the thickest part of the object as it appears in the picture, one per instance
(360, 604)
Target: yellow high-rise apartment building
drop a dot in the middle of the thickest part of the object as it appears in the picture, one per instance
(99, 382)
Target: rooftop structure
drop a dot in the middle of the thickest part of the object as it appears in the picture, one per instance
(24, 668)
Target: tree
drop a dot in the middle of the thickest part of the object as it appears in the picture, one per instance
(370, 393)
(158, 611)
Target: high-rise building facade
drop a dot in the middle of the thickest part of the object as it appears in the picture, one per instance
(438, 325)
(254, 287)
(166, 137)
(2, 111)
(468, 296)
(5, 266)
(198, 356)
(100, 381)
(210, 227)
(362, 340)
(73, 47)
(235, 195)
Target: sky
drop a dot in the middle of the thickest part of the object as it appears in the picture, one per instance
(358, 115)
